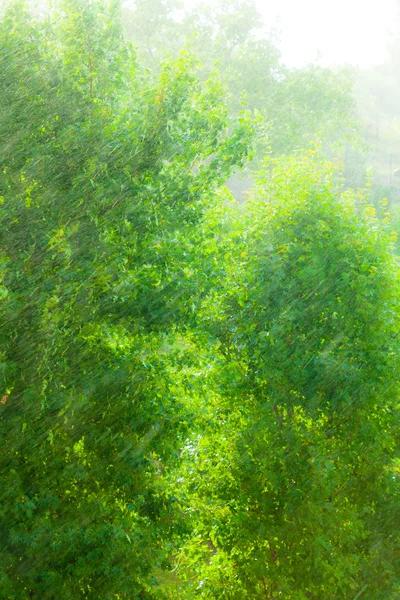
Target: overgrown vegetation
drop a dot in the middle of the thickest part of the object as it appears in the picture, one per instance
(199, 397)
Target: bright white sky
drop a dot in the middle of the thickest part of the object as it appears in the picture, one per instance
(339, 31)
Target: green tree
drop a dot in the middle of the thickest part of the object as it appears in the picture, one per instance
(294, 106)
(154, 29)
(297, 104)
(292, 484)
(105, 176)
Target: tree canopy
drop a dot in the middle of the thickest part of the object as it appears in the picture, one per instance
(199, 397)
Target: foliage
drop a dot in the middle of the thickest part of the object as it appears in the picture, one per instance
(297, 105)
(105, 176)
(199, 399)
(294, 493)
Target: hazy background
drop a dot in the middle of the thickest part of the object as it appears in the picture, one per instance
(345, 31)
